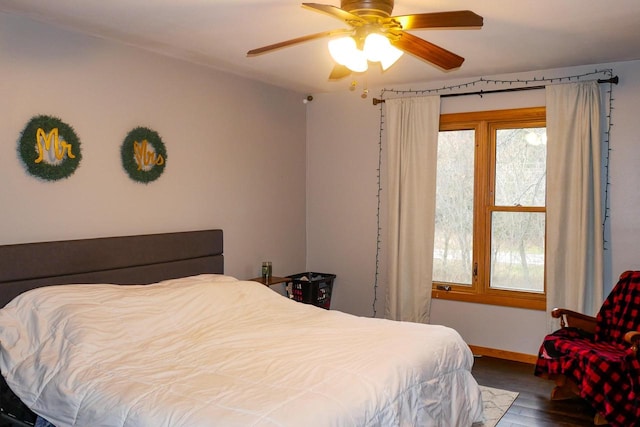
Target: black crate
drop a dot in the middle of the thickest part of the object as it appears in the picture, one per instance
(312, 288)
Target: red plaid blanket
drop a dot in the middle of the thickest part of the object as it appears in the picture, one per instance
(602, 365)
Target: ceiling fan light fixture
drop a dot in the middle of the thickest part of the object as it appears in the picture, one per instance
(390, 57)
(378, 48)
(375, 47)
(341, 49)
(344, 51)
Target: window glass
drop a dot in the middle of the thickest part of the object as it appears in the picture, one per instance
(520, 167)
(453, 243)
(517, 251)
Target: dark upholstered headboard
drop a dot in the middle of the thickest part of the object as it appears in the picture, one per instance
(132, 260)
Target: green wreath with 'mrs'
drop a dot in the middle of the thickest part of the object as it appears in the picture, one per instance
(49, 148)
(144, 155)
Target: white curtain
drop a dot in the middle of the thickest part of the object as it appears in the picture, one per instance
(412, 145)
(574, 201)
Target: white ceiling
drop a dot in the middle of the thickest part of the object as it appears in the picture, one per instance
(518, 35)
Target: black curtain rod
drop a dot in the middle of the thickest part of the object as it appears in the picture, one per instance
(613, 80)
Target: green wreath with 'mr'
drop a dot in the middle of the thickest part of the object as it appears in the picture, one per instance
(49, 148)
(144, 155)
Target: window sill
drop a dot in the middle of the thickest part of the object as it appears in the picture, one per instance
(532, 303)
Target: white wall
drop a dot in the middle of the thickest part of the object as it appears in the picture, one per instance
(343, 134)
(236, 148)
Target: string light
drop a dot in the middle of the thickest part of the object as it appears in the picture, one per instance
(482, 80)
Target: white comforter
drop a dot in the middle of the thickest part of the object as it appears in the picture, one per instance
(213, 351)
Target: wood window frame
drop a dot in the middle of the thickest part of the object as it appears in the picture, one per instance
(484, 123)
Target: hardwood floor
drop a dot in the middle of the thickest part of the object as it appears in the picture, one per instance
(532, 408)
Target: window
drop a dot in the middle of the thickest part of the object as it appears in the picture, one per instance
(490, 208)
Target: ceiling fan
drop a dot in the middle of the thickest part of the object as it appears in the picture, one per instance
(377, 36)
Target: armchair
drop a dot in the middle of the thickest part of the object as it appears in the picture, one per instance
(597, 358)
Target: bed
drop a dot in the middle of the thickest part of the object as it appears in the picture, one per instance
(183, 344)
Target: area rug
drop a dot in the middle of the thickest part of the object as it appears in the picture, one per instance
(496, 403)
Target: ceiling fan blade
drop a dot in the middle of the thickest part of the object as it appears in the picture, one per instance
(336, 12)
(427, 51)
(456, 19)
(297, 40)
(339, 72)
